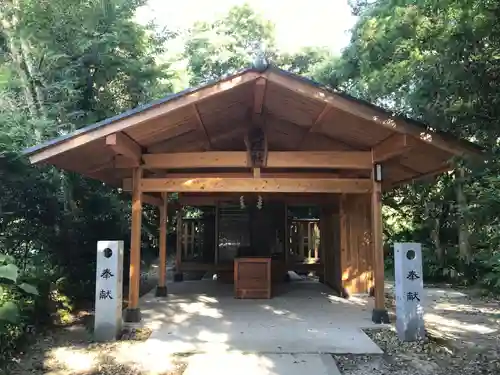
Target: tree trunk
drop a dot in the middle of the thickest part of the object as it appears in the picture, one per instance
(17, 59)
(463, 222)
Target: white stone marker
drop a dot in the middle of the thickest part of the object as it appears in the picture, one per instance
(108, 290)
(409, 291)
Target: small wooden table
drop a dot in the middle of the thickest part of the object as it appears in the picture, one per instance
(252, 277)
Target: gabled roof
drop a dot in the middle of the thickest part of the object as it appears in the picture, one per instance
(297, 113)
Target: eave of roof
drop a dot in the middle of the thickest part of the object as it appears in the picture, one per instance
(471, 147)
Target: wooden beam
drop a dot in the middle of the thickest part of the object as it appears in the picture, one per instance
(135, 241)
(127, 182)
(371, 113)
(163, 242)
(150, 199)
(202, 125)
(211, 199)
(275, 159)
(320, 159)
(395, 145)
(208, 159)
(244, 185)
(258, 95)
(122, 122)
(121, 144)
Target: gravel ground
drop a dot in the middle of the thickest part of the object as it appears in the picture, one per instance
(428, 357)
(462, 338)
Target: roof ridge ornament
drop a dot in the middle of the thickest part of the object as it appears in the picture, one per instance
(260, 62)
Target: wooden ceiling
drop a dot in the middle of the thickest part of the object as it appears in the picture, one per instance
(296, 115)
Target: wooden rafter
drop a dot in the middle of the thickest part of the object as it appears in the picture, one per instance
(395, 145)
(202, 125)
(369, 113)
(247, 185)
(143, 116)
(418, 177)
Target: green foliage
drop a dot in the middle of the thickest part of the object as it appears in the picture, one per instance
(436, 62)
(238, 40)
(63, 65)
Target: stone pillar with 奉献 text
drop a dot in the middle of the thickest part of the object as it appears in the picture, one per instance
(409, 291)
(109, 283)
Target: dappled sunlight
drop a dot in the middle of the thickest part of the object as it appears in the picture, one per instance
(208, 336)
(208, 299)
(200, 308)
(225, 363)
(77, 360)
(450, 325)
(426, 137)
(126, 354)
(468, 309)
(303, 317)
(286, 313)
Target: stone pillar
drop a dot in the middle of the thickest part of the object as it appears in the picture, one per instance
(409, 291)
(161, 289)
(108, 290)
(133, 312)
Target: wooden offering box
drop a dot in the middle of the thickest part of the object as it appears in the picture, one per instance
(252, 277)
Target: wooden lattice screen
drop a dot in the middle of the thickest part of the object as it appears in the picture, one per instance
(304, 238)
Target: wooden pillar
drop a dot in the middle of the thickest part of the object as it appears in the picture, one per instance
(161, 289)
(178, 276)
(133, 312)
(216, 252)
(379, 312)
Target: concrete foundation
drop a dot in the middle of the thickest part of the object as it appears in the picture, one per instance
(304, 317)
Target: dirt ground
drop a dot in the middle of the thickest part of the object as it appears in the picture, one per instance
(463, 337)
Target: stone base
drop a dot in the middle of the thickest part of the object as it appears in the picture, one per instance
(380, 316)
(161, 291)
(178, 277)
(133, 315)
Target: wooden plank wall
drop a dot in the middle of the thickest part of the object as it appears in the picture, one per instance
(356, 260)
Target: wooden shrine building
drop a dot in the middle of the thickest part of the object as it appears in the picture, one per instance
(247, 149)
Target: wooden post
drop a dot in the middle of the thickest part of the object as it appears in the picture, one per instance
(216, 254)
(379, 312)
(161, 289)
(133, 312)
(178, 251)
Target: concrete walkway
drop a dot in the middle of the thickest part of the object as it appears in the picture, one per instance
(294, 332)
(261, 364)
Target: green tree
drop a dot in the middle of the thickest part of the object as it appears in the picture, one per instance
(231, 43)
(436, 62)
